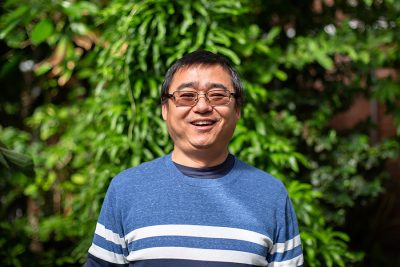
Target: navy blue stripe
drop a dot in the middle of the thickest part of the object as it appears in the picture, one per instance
(185, 263)
(108, 245)
(93, 261)
(198, 242)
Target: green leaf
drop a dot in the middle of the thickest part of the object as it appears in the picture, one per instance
(42, 69)
(281, 75)
(12, 19)
(272, 34)
(324, 60)
(229, 53)
(41, 31)
(78, 179)
(3, 161)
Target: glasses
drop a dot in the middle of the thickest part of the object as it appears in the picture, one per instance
(190, 98)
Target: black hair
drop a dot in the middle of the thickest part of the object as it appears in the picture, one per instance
(203, 58)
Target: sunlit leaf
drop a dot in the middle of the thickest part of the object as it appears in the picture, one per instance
(41, 31)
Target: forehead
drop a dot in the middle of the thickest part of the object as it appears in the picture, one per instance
(201, 75)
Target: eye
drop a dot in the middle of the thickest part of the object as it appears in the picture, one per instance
(217, 94)
(186, 94)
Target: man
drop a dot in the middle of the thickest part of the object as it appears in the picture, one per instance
(199, 205)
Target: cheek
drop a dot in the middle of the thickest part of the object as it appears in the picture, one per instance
(176, 120)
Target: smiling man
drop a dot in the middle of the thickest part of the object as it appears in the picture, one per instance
(199, 205)
(200, 129)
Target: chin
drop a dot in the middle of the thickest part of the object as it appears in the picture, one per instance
(202, 146)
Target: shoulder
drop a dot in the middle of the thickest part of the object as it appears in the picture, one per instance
(258, 178)
(139, 173)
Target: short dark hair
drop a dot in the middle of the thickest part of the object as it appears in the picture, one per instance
(203, 58)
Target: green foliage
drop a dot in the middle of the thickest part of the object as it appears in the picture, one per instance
(99, 67)
(16, 171)
(41, 31)
(315, 235)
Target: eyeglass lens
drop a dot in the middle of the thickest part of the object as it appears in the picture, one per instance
(190, 98)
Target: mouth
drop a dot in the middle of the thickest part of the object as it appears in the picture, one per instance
(203, 123)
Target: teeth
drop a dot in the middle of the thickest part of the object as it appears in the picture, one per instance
(200, 123)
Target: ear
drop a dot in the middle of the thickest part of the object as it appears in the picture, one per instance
(237, 112)
(164, 110)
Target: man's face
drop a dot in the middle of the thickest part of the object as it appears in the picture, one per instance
(201, 127)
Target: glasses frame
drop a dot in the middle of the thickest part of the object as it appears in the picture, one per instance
(172, 96)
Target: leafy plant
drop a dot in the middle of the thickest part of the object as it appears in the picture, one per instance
(87, 106)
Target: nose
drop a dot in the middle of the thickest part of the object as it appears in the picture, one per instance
(202, 104)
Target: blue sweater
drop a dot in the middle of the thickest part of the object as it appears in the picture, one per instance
(153, 215)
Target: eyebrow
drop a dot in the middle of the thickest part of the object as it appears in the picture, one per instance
(216, 85)
(195, 85)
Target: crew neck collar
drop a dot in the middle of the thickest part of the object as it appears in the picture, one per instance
(177, 174)
(213, 172)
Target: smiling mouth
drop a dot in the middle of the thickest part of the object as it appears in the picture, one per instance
(202, 123)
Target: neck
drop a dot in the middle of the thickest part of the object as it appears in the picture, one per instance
(199, 159)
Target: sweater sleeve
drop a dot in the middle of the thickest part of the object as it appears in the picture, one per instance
(108, 246)
(287, 250)
(93, 261)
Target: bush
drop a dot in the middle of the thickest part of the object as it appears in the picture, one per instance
(98, 67)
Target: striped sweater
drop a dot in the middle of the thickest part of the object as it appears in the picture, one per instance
(153, 215)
